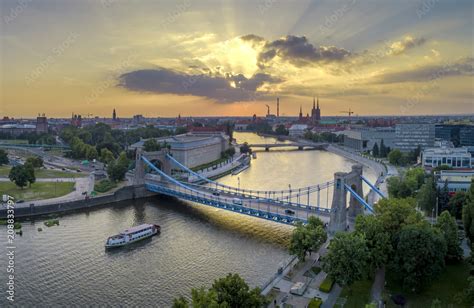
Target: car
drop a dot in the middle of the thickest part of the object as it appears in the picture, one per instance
(20, 201)
(290, 212)
(237, 201)
(215, 193)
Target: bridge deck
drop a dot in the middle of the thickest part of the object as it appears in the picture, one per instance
(261, 208)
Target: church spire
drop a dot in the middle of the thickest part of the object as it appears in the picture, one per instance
(318, 102)
(313, 103)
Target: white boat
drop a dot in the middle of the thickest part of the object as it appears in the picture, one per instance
(131, 235)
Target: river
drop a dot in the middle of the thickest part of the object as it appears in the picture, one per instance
(67, 264)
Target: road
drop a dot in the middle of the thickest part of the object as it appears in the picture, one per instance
(255, 204)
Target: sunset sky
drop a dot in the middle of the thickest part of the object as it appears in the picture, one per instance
(198, 58)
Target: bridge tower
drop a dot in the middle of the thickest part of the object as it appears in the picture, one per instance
(339, 210)
(355, 208)
(160, 156)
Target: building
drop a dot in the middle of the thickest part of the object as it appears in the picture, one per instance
(460, 135)
(76, 120)
(298, 129)
(457, 180)
(408, 137)
(194, 149)
(466, 135)
(114, 115)
(41, 124)
(457, 158)
(364, 139)
(315, 113)
(17, 129)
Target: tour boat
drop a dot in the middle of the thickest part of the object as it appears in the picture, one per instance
(131, 235)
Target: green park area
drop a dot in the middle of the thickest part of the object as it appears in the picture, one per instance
(448, 288)
(45, 173)
(38, 190)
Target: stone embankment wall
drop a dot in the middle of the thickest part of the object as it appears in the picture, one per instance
(122, 194)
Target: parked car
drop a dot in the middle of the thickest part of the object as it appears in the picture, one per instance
(237, 201)
(215, 193)
(290, 212)
(20, 201)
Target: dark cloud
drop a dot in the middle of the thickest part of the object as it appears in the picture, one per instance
(252, 38)
(463, 67)
(218, 88)
(298, 51)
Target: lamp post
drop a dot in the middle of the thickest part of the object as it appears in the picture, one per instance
(238, 182)
(289, 196)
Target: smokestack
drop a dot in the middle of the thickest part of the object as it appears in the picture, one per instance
(278, 107)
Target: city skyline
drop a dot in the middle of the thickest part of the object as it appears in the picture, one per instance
(233, 58)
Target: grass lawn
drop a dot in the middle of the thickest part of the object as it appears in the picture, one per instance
(14, 141)
(446, 288)
(360, 295)
(46, 173)
(43, 190)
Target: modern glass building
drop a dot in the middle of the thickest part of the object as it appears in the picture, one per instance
(409, 136)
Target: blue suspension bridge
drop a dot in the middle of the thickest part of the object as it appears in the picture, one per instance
(155, 171)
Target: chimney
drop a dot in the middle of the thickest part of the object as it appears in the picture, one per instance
(278, 107)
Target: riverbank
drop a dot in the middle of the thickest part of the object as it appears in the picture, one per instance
(122, 194)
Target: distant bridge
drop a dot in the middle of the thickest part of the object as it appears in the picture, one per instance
(153, 169)
(299, 145)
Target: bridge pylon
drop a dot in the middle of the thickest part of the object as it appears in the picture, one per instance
(160, 156)
(339, 209)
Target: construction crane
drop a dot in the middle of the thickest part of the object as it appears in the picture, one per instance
(268, 109)
(348, 112)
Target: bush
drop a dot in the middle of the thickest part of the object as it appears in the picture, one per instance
(316, 269)
(315, 303)
(326, 285)
(51, 222)
(104, 186)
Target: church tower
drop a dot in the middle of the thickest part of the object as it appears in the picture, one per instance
(318, 113)
(301, 113)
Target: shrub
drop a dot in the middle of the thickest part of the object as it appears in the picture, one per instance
(326, 285)
(104, 186)
(51, 222)
(316, 269)
(315, 303)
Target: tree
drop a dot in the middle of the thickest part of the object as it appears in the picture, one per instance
(281, 130)
(151, 145)
(19, 175)
(419, 255)
(443, 198)
(375, 150)
(228, 292)
(377, 239)
(36, 162)
(468, 214)
(106, 156)
(427, 195)
(234, 291)
(118, 168)
(469, 291)
(383, 149)
(244, 148)
(307, 238)
(180, 303)
(30, 171)
(456, 203)
(3, 157)
(347, 259)
(394, 157)
(448, 227)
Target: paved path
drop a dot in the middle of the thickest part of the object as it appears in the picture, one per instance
(82, 185)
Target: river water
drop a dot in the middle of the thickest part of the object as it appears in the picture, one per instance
(68, 265)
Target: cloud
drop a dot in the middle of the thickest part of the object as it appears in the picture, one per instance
(298, 51)
(462, 67)
(408, 42)
(225, 89)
